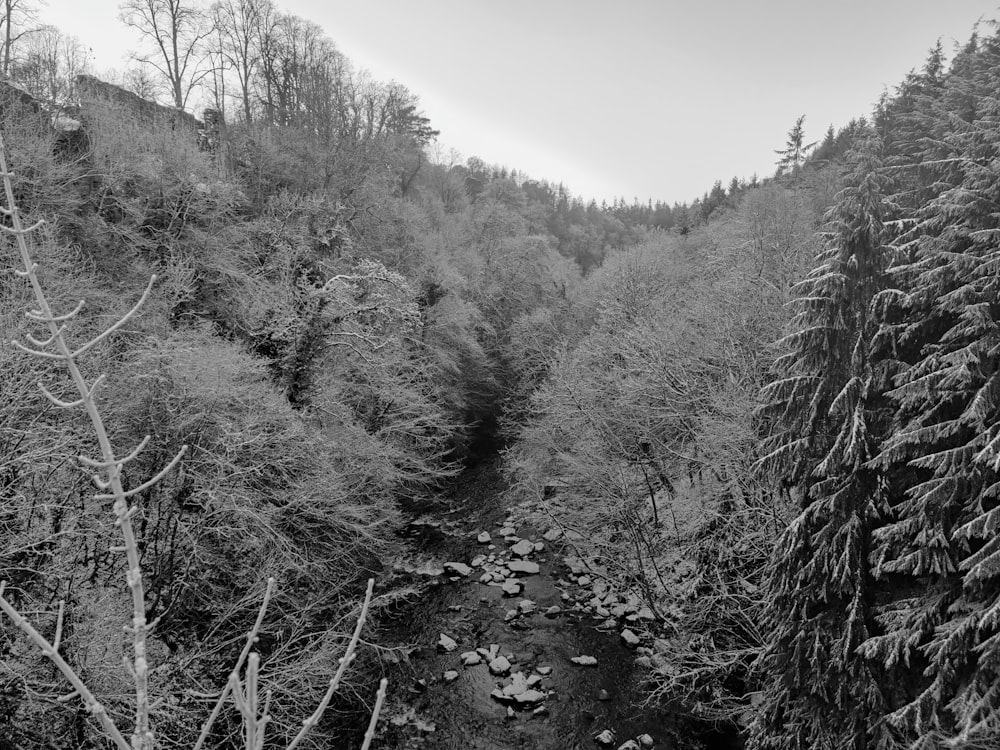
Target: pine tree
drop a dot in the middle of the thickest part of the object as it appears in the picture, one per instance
(942, 550)
(796, 149)
(824, 407)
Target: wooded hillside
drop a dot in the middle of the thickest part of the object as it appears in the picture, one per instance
(771, 416)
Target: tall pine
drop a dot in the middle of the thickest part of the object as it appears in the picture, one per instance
(825, 415)
(941, 551)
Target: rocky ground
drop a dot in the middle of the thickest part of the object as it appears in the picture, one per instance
(515, 643)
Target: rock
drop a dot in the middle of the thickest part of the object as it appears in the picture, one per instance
(471, 659)
(553, 611)
(645, 740)
(539, 546)
(630, 638)
(517, 685)
(604, 695)
(584, 661)
(510, 713)
(486, 578)
(552, 534)
(529, 697)
(523, 548)
(506, 531)
(428, 569)
(478, 560)
(602, 612)
(457, 568)
(510, 588)
(526, 606)
(445, 643)
(534, 680)
(492, 653)
(582, 580)
(629, 745)
(511, 614)
(540, 711)
(607, 737)
(523, 567)
(419, 686)
(450, 675)
(484, 538)
(544, 670)
(500, 665)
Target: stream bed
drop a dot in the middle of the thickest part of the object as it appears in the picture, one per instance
(569, 705)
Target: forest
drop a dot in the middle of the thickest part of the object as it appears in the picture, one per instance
(289, 342)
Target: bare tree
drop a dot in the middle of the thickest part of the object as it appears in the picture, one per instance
(16, 21)
(175, 30)
(49, 64)
(239, 26)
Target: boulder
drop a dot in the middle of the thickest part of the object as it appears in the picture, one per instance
(510, 588)
(450, 675)
(471, 659)
(523, 548)
(457, 568)
(630, 638)
(523, 567)
(500, 665)
(484, 537)
(446, 643)
(607, 737)
(529, 697)
(584, 661)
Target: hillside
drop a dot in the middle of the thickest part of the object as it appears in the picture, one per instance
(746, 446)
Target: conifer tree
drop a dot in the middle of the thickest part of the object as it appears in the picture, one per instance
(796, 149)
(942, 549)
(824, 408)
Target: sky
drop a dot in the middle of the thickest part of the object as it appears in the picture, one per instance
(633, 98)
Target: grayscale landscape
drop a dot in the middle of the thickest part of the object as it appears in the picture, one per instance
(543, 376)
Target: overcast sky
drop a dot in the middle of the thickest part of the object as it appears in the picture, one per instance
(633, 98)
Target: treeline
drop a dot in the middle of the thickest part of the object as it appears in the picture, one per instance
(337, 324)
(815, 533)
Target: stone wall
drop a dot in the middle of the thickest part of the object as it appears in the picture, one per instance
(94, 92)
